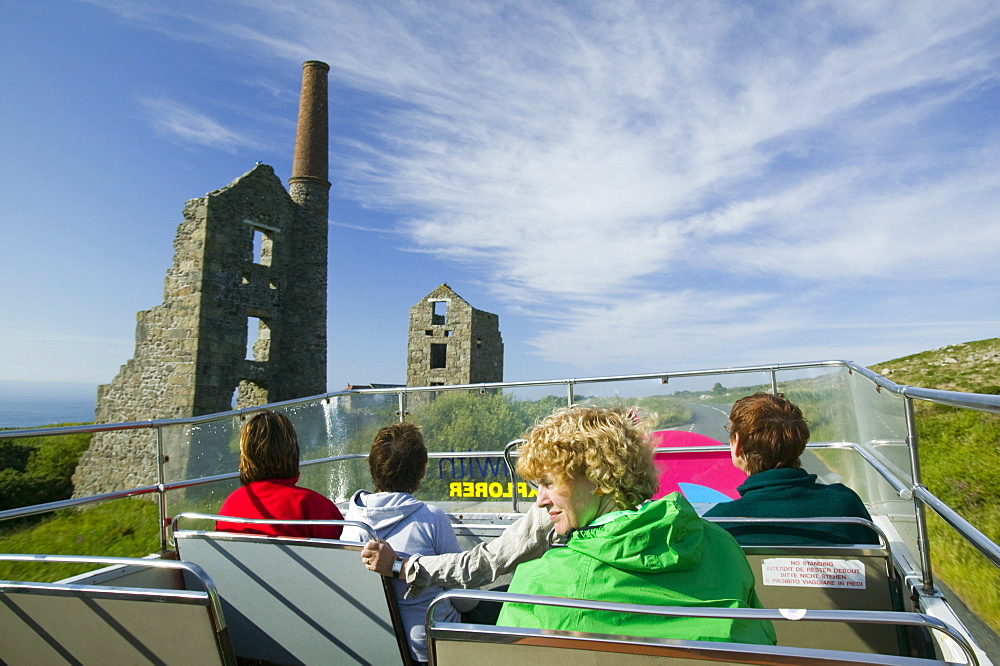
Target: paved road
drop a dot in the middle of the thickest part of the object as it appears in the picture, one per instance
(707, 419)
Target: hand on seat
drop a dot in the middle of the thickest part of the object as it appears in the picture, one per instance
(378, 556)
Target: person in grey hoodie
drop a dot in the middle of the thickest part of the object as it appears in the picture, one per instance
(398, 462)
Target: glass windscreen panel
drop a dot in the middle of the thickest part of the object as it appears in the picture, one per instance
(334, 436)
(466, 431)
(687, 417)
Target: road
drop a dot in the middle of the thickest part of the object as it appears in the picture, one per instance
(707, 419)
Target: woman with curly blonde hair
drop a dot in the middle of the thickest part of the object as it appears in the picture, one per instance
(595, 475)
(604, 451)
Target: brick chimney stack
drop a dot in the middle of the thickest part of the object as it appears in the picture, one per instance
(311, 159)
(309, 187)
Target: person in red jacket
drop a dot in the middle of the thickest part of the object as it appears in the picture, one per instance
(269, 470)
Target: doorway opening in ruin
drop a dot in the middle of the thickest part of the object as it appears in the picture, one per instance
(439, 356)
(249, 393)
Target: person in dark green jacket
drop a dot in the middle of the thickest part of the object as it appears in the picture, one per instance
(595, 476)
(767, 436)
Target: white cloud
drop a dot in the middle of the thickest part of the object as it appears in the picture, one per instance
(654, 173)
(187, 125)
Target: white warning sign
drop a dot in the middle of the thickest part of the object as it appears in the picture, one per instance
(807, 572)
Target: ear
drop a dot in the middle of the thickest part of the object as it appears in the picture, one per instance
(736, 446)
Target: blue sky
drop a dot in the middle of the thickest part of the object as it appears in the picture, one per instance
(632, 186)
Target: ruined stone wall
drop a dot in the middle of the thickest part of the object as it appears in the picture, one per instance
(458, 345)
(191, 353)
(250, 263)
(485, 348)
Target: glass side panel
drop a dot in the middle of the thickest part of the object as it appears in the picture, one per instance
(881, 418)
(687, 417)
(114, 528)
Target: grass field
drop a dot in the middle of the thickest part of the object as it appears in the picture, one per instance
(960, 460)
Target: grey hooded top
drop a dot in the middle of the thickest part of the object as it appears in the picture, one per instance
(410, 527)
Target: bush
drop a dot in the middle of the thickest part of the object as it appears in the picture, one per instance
(36, 470)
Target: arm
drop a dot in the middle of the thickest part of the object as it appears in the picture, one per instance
(528, 538)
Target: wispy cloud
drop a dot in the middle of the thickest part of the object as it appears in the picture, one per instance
(182, 123)
(692, 163)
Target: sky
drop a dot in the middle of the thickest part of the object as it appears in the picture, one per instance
(631, 186)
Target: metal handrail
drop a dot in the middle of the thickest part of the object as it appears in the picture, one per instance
(822, 520)
(979, 540)
(199, 573)
(980, 402)
(977, 401)
(364, 527)
(792, 615)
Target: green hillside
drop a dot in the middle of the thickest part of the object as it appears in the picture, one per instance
(960, 458)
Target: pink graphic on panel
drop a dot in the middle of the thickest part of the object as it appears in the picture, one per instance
(701, 476)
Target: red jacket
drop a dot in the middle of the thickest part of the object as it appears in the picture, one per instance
(280, 498)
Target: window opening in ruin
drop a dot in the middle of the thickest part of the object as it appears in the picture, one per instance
(258, 339)
(447, 334)
(437, 383)
(262, 247)
(428, 332)
(258, 245)
(439, 355)
(440, 312)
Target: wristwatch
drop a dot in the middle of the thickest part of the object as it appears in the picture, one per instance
(397, 566)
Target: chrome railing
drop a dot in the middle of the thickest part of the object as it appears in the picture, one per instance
(904, 488)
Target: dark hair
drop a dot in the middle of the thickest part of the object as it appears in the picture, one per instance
(269, 448)
(773, 433)
(398, 458)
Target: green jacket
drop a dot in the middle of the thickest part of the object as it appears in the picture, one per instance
(660, 554)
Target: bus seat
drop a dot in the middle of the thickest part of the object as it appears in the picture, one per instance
(64, 622)
(827, 577)
(460, 644)
(875, 588)
(298, 601)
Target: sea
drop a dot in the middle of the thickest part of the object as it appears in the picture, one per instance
(28, 404)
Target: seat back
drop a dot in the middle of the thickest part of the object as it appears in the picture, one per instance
(830, 579)
(43, 623)
(462, 644)
(825, 577)
(299, 601)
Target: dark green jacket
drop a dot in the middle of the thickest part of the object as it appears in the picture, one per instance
(793, 493)
(661, 554)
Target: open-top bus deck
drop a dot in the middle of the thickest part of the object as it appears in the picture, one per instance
(215, 597)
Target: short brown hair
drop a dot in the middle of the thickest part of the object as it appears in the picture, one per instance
(269, 448)
(773, 433)
(610, 447)
(398, 459)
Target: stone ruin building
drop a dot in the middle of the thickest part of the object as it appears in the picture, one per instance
(451, 342)
(243, 319)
